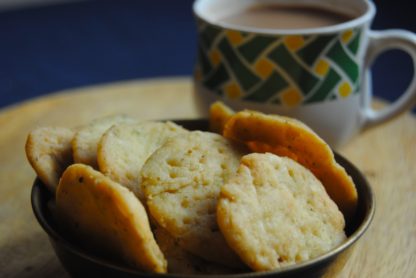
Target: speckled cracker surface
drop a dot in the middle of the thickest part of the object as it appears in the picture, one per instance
(124, 148)
(275, 212)
(49, 152)
(108, 217)
(288, 137)
(183, 262)
(181, 182)
(85, 142)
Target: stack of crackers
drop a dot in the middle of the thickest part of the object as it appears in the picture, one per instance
(258, 192)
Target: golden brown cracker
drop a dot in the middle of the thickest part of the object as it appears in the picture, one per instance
(274, 212)
(124, 148)
(289, 137)
(86, 139)
(182, 262)
(49, 152)
(219, 114)
(108, 217)
(181, 182)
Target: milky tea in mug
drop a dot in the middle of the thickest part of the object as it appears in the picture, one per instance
(304, 59)
(278, 16)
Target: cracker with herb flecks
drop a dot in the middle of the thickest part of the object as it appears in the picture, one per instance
(289, 137)
(86, 139)
(181, 182)
(274, 213)
(49, 152)
(108, 217)
(183, 262)
(124, 148)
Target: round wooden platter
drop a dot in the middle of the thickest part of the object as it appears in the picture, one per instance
(385, 154)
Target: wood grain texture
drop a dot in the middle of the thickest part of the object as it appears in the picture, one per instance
(386, 154)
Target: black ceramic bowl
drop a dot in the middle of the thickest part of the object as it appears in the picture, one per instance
(80, 262)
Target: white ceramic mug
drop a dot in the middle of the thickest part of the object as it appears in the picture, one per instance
(318, 75)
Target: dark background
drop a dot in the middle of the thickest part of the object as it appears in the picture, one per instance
(45, 49)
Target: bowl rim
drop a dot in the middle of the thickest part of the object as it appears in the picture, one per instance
(38, 193)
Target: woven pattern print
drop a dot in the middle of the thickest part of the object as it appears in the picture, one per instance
(289, 70)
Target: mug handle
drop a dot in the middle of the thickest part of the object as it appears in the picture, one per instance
(380, 41)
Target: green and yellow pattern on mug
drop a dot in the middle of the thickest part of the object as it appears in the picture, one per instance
(321, 76)
(288, 70)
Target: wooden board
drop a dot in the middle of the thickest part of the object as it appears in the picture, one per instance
(386, 154)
